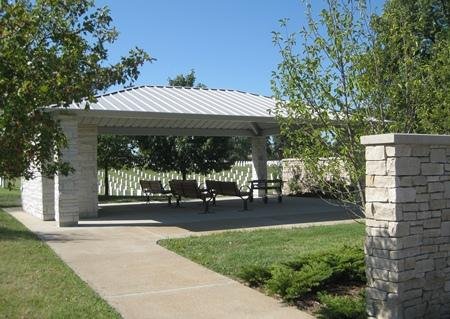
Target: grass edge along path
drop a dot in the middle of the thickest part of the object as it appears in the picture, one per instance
(36, 283)
(228, 252)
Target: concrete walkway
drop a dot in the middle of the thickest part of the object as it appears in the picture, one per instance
(127, 267)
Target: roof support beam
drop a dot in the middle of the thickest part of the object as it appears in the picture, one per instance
(173, 131)
(255, 128)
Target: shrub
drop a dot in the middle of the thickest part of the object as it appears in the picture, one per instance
(309, 273)
(255, 276)
(342, 307)
(291, 284)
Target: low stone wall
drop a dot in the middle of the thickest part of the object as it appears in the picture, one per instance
(298, 181)
(294, 176)
(408, 226)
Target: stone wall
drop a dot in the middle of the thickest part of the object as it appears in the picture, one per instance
(38, 197)
(294, 176)
(408, 226)
(298, 181)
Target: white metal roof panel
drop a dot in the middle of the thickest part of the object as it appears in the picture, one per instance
(181, 100)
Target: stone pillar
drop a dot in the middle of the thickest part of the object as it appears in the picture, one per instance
(66, 187)
(259, 160)
(88, 183)
(408, 225)
(38, 197)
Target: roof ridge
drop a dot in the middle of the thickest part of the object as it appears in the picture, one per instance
(178, 87)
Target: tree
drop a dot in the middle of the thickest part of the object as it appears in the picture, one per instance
(359, 74)
(115, 152)
(407, 67)
(187, 80)
(242, 148)
(186, 154)
(324, 113)
(52, 53)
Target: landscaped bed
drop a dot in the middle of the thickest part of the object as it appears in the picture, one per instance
(34, 282)
(319, 269)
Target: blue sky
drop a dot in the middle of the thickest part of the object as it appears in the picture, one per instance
(228, 42)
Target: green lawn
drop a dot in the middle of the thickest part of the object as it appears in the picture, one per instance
(230, 252)
(34, 282)
(9, 198)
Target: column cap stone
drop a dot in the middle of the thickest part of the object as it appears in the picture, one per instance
(403, 138)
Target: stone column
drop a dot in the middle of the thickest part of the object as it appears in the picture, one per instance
(408, 225)
(259, 160)
(38, 197)
(66, 187)
(88, 183)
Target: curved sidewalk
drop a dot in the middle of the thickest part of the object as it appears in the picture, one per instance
(141, 279)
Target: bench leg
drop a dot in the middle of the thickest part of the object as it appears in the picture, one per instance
(205, 206)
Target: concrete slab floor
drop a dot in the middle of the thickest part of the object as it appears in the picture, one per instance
(118, 256)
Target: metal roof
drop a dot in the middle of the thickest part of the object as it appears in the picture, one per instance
(165, 110)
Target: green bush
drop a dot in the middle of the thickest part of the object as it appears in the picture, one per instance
(255, 276)
(341, 307)
(310, 273)
(291, 284)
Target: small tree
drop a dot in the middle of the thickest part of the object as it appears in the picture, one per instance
(359, 75)
(52, 52)
(186, 154)
(325, 114)
(115, 152)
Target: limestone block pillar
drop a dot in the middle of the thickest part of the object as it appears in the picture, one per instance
(407, 226)
(88, 183)
(38, 196)
(259, 160)
(66, 187)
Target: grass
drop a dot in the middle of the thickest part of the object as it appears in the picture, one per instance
(9, 198)
(230, 252)
(34, 282)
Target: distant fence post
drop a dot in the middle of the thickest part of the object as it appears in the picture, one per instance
(408, 225)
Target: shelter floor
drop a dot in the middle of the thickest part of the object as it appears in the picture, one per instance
(228, 214)
(118, 256)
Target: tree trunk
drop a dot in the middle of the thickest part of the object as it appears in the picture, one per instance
(106, 182)
(184, 173)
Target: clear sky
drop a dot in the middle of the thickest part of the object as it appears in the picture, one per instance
(228, 42)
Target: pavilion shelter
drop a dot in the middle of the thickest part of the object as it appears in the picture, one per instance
(143, 110)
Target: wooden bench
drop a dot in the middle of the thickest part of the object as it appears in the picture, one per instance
(155, 188)
(266, 184)
(190, 189)
(227, 189)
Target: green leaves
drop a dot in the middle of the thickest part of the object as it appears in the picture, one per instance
(360, 74)
(52, 52)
